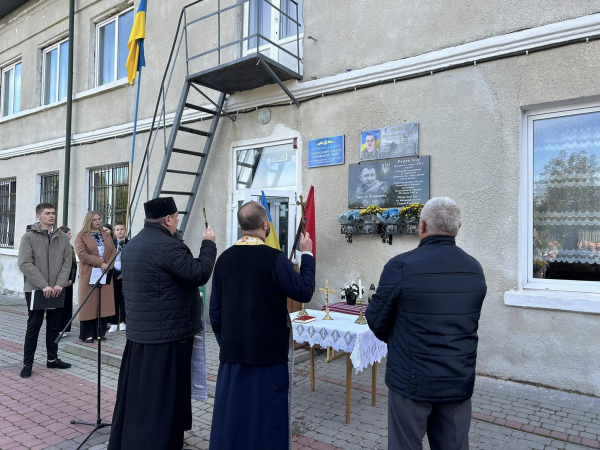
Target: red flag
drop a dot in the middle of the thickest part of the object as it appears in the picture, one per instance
(310, 219)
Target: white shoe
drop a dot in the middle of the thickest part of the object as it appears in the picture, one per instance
(64, 335)
(122, 326)
(113, 328)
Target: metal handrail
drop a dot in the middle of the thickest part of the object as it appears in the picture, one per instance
(180, 34)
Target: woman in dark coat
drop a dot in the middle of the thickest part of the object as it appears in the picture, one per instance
(67, 312)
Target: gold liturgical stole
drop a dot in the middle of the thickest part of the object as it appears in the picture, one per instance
(250, 240)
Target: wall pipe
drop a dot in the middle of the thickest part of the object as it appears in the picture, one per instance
(67, 174)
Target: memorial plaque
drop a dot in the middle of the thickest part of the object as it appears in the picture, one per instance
(389, 183)
(326, 152)
(395, 141)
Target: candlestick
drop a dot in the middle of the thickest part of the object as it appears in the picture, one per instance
(361, 319)
(302, 312)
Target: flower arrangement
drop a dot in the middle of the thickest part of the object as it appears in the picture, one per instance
(350, 293)
(411, 211)
(350, 217)
(371, 210)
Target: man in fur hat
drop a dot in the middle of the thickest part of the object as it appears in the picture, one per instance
(164, 312)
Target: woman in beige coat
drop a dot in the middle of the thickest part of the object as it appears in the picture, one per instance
(95, 248)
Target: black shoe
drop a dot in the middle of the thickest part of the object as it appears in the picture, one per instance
(103, 338)
(57, 364)
(26, 372)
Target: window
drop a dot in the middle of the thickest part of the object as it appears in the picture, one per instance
(276, 27)
(564, 200)
(49, 190)
(11, 89)
(109, 193)
(111, 47)
(8, 190)
(54, 72)
(266, 167)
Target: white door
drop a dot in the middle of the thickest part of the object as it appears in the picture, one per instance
(282, 207)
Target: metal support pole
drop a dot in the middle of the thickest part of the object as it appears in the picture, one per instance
(187, 62)
(257, 26)
(298, 37)
(67, 170)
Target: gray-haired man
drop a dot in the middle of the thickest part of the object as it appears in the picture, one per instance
(427, 309)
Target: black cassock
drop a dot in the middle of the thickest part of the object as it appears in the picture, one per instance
(251, 409)
(154, 394)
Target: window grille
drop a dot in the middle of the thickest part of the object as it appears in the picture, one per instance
(8, 190)
(109, 193)
(49, 190)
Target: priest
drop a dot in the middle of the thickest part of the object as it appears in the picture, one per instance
(164, 312)
(248, 313)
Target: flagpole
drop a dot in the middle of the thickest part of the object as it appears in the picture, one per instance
(137, 104)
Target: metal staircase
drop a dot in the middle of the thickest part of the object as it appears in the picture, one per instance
(244, 73)
(201, 156)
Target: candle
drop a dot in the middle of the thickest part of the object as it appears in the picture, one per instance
(359, 289)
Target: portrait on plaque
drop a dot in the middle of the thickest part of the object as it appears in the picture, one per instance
(389, 183)
(395, 141)
(370, 145)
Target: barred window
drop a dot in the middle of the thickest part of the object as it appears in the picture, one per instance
(49, 190)
(108, 193)
(8, 190)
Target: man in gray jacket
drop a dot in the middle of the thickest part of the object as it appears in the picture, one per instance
(45, 260)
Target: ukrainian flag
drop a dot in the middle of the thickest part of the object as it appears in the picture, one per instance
(136, 59)
(271, 240)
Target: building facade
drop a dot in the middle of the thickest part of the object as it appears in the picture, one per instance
(506, 100)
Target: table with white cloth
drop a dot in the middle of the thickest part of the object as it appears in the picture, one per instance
(342, 334)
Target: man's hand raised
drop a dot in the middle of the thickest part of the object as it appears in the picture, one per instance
(209, 235)
(306, 243)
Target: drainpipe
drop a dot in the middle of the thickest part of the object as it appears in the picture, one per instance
(67, 174)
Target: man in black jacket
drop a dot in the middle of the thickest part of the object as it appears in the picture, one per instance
(164, 313)
(427, 309)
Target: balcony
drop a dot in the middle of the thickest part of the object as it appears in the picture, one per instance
(236, 63)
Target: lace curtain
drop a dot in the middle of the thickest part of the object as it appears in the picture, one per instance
(566, 216)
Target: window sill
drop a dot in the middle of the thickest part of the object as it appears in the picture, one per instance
(581, 302)
(79, 96)
(9, 252)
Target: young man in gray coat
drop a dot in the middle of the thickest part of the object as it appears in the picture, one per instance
(45, 261)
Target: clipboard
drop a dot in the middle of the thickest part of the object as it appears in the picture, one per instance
(38, 301)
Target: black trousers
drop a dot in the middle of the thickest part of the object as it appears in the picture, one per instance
(119, 316)
(34, 324)
(446, 424)
(89, 328)
(67, 311)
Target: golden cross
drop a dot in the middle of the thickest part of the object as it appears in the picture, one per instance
(327, 291)
(302, 205)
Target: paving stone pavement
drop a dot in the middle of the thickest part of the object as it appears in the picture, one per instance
(36, 413)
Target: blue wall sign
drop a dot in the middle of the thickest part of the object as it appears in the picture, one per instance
(326, 152)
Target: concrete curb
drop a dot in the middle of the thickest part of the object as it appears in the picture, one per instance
(91, 353)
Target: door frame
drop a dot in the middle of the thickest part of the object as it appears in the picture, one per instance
(290, 195)
(280, 137)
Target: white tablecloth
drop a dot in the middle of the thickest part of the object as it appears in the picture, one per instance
(341, 333)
